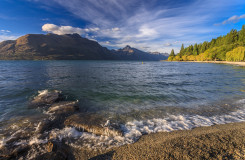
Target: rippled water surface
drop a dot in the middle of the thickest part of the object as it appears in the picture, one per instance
(119, 87)
(148, 97)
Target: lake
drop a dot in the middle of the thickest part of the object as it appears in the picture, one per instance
(144, 97)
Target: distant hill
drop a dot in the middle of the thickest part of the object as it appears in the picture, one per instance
(65, 47)
(129, 53)
(164, 54)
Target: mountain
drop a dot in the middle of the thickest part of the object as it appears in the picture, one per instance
(164, 54)
(69, 47)
(129, 53)
(52, 46)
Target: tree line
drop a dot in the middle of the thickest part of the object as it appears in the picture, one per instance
(230, 47)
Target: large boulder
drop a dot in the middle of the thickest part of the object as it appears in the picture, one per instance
(46, 97)
(94, 123)
(64, 107)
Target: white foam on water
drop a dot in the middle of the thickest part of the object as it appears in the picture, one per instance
(133, 130)
(89, 140)
(42, 92)
(66, 132)
(35, 140)
(179, 122)
(6, 139)
(241, 101)
(37, 127)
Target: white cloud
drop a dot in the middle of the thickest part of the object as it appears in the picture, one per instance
(115, 29)
(167, 44)
(146, 32)
(233, 19)
(5, 31)
(138, 25)
(7, 37)
(91, 29)
(61, 29)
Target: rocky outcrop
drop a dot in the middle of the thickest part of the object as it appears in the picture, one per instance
(53, 103)
(64, 107)
(93, 123)
(46, 97)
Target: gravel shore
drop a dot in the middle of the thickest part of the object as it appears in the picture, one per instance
(218, 62)
(226, 141)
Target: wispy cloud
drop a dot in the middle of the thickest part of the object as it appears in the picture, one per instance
(167, 44)
(143, 23)
(6, 35)
(4, 31)
(233, 19)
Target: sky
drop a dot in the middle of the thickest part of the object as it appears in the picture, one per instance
(149, 25)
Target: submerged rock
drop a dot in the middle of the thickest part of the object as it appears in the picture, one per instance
(93, 123)
(64, 107)
(46, 97)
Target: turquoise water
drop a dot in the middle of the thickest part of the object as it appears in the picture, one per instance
(139, 94)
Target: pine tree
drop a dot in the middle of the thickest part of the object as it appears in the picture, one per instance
(204, 47)
(182, 50)
(195, 50)
(231, 37)
(189, 50)
(242, 36)
(172, 53)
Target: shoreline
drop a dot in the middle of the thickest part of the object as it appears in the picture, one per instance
(217, 62)
(222, 141)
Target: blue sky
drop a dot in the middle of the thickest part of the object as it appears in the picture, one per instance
(149, 25)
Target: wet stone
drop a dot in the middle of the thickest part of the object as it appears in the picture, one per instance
(13, 152)
(64, 107)
(94, 123)
(46, 97)
(49, 146)
(56, 151)
(47, 125)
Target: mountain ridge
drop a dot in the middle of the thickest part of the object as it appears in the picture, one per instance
(130, 53)
(66, 47)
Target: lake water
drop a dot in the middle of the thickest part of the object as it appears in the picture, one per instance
(148, 97)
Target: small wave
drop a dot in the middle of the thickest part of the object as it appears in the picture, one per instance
(241, 101)
(179, 122)
(133, 130)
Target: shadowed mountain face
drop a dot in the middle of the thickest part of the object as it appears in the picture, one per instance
(69, 46)
(52, 46)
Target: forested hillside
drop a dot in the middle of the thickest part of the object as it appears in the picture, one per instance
(230, 47)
